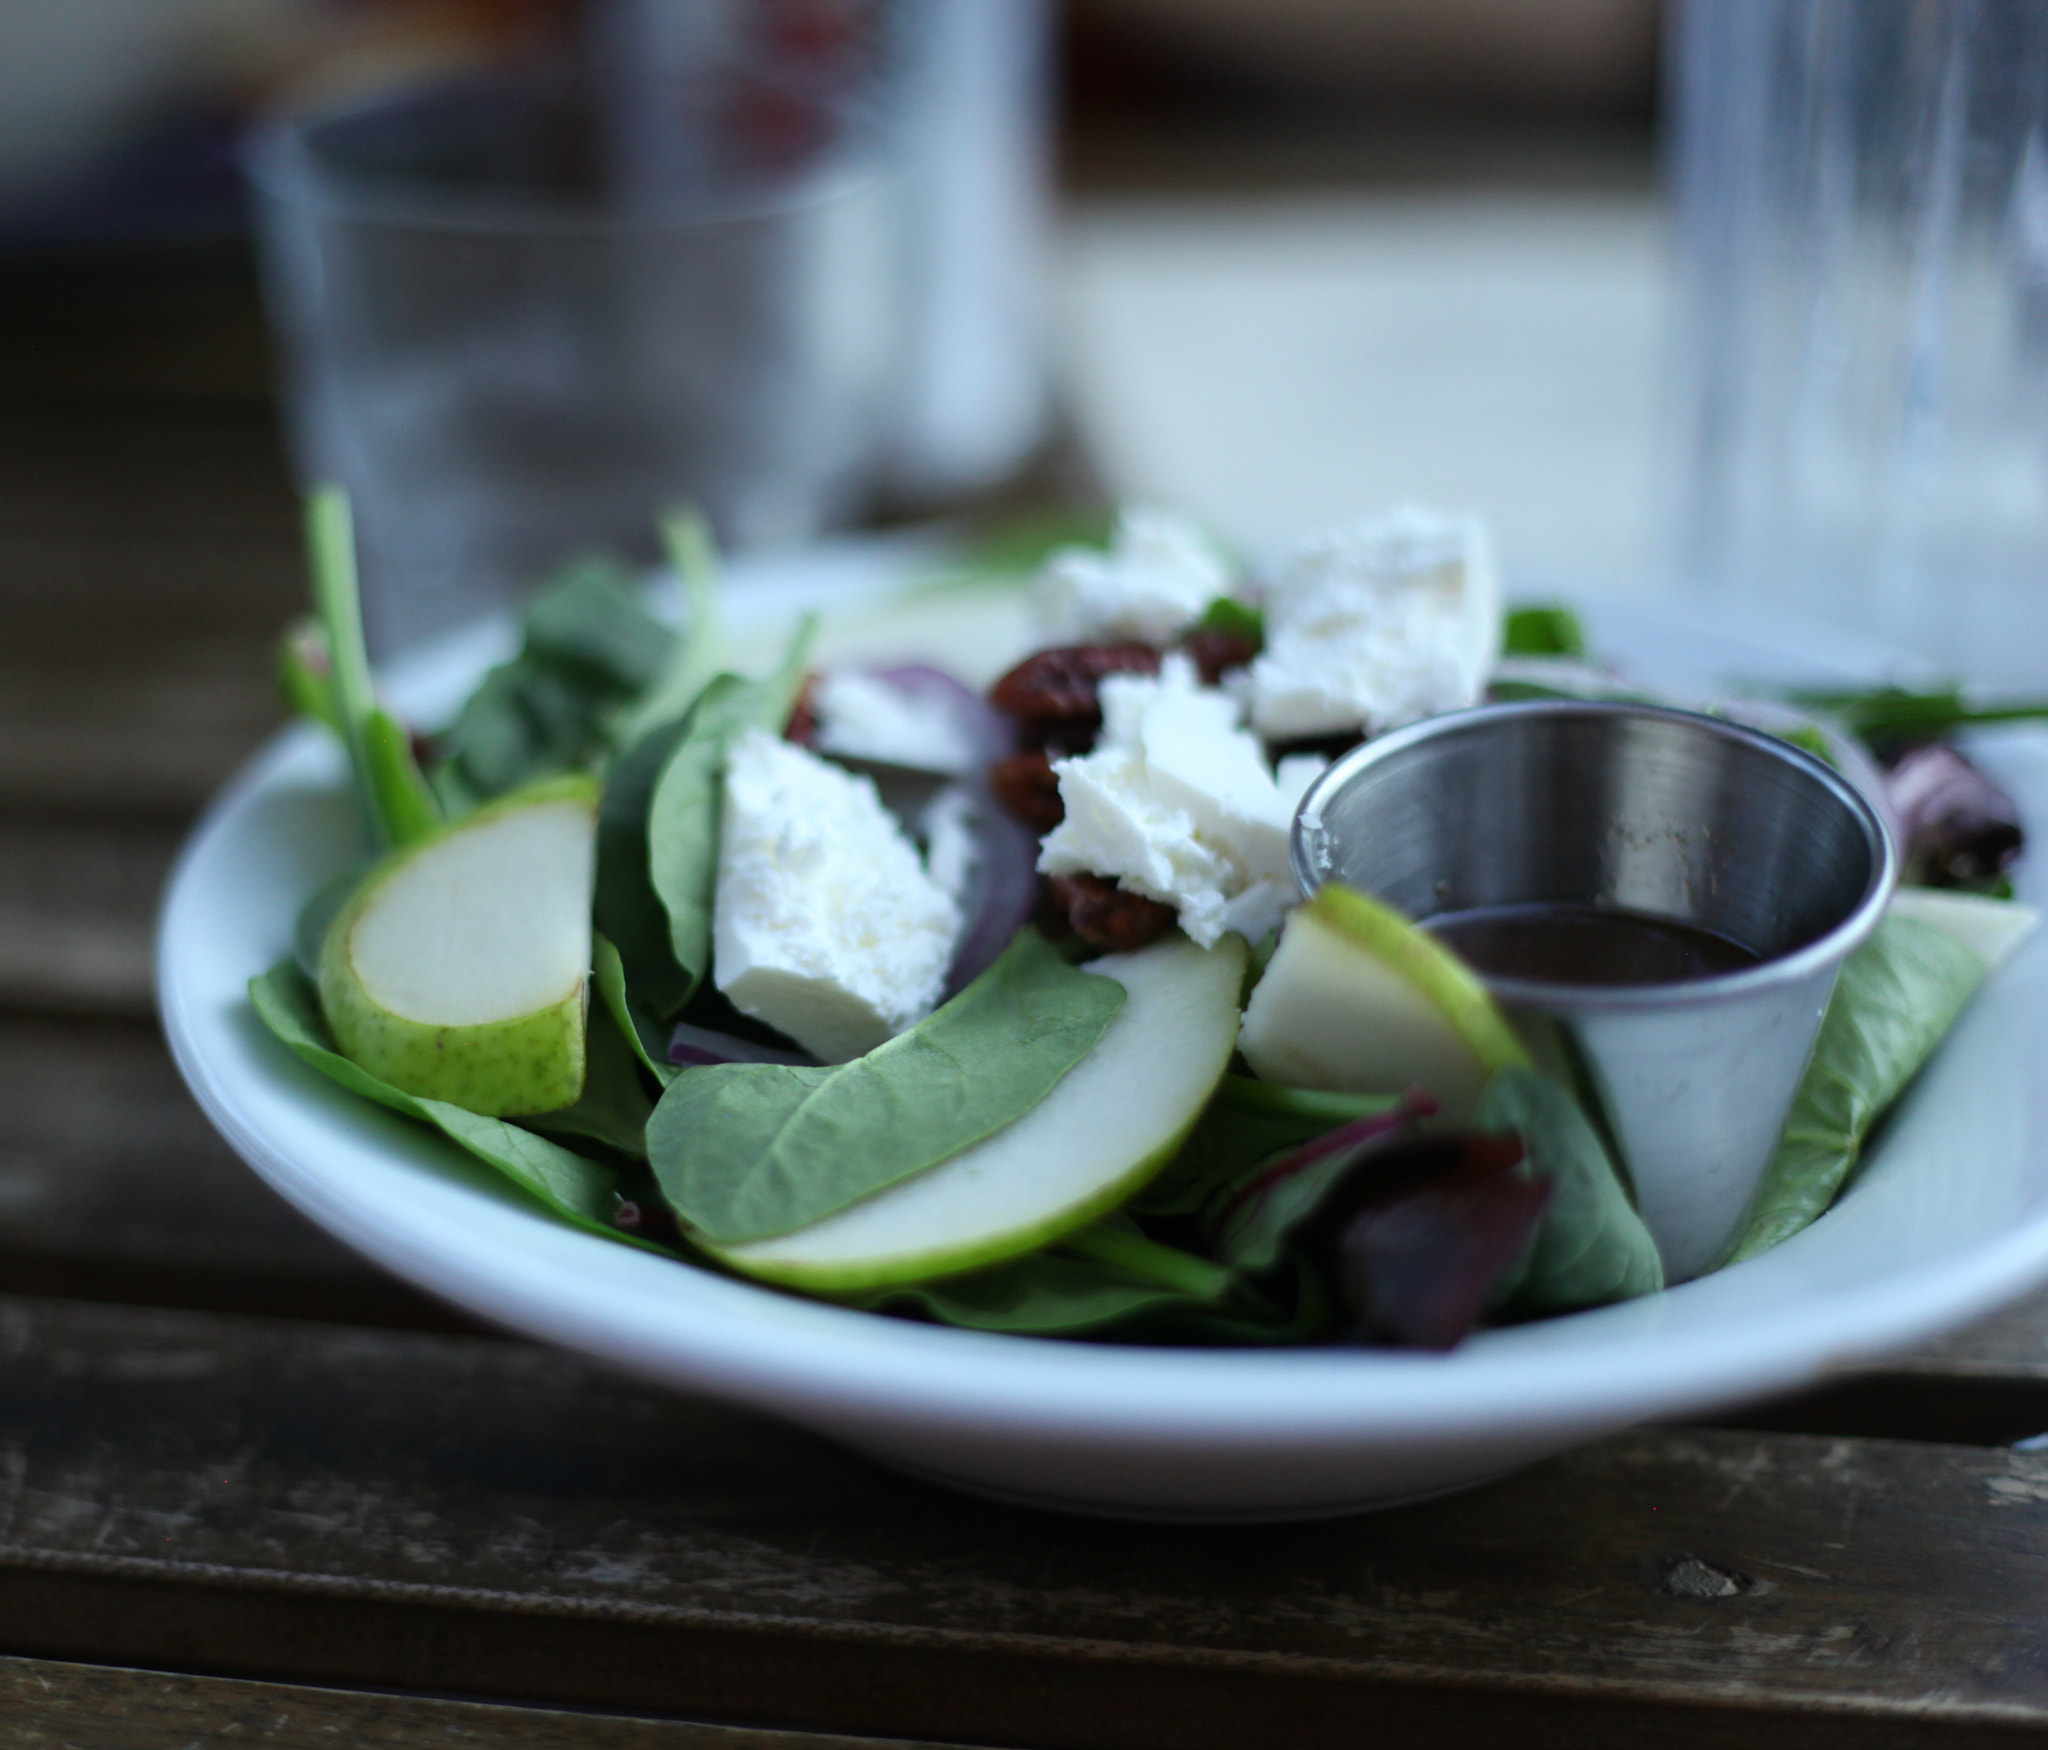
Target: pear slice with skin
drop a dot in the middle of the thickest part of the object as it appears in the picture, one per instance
(1992, 929)
(1356, 998)
(1107, 1126)
(458, 970)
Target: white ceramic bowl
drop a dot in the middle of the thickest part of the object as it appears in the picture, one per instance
(1949, 1219)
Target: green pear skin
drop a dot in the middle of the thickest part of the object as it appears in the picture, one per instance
(458, 970)
(1114, 1121)
(1359, 999)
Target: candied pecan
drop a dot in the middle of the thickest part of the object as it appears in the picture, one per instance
(1058, 690)
(802, 727)
(1024, 784)
(1216, 653)
(1104, 916)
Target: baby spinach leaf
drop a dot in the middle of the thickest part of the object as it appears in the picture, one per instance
(626, 907)
(683, 815)
(1591, 1246)
(1897, 996)
(1069, 1291)
(614, 1105)
(588, 647)
(1546, 630)
(700, 653)
(748, 1150)
(647, 1037)
(1246, 1123)
(1234, 619)
(590, 620)
(578, 1190)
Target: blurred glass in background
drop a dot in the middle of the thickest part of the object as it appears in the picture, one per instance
(1859, 421)
(1307, 258)
(705, 252)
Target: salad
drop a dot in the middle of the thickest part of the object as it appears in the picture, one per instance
(988, 1008)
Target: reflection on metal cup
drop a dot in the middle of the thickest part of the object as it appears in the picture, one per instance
(1633, 810)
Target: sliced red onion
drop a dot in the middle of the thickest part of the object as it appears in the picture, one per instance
(1001, 893)
(701, 1045)
(993, 733)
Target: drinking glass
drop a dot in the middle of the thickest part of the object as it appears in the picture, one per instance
(1859, 406)
(522, 312)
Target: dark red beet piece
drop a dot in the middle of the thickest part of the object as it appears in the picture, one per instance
(1959, 829)
(1418, 1268)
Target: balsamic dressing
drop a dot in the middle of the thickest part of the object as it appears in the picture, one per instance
(1584, 944)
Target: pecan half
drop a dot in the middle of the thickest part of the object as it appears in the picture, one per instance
(802, 727)
(1104, 916)
(1215, 653)
(1055, 694)
(1024, 784)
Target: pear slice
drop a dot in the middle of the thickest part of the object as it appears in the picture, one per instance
(1107, 1126)
(1992, 929)
(1357, 998)
(457, 971)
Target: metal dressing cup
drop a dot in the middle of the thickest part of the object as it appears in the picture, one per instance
(1654, 814)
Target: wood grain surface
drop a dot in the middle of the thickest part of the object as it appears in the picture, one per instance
(303, 1503)
(49, 1704)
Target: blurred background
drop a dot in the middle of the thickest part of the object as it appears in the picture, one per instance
(1292, 262)
(1276, 265)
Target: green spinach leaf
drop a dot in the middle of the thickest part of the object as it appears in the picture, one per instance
(1547, 630)
(700, 653)
(647, 1037)
(614, 1105)
(578, 1190)
(627, 909)
(744, 1151)
(1234, 619)
(1245, 1124)
(1071, 1291)
(683, 814)
(1591, 1246)
(589, 646)
(1897, 996)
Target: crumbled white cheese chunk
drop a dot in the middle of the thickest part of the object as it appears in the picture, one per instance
(1375, 625)
(1176, 803)
(1160, 572)
(825, 925)
(952, 841)
(862, 716)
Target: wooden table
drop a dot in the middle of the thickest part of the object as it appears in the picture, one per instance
(252, 1492)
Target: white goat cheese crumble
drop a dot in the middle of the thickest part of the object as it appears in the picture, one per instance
(1376, 624)
(825, 923)
(1176, 802)
(1158, 575)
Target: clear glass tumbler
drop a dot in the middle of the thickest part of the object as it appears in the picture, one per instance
(1859, 406)
(521, 313)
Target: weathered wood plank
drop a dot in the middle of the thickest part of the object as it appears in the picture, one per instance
(55, 1705)
(113, 1186)
(78, 900)
(300, 1503)
(145, 468)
